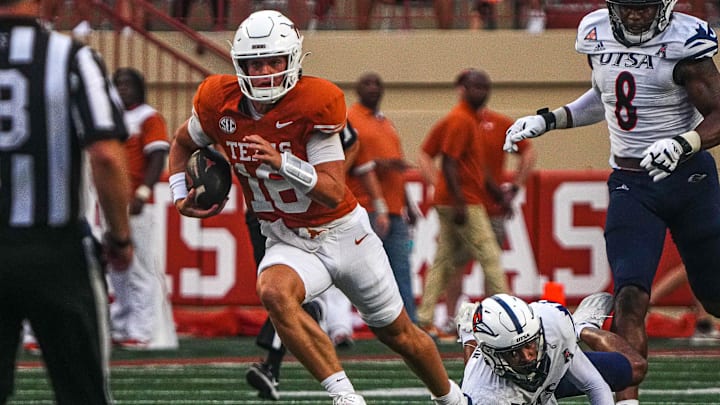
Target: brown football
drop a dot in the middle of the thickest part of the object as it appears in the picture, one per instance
(209, 174)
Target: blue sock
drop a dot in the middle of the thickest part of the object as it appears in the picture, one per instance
(614, 368)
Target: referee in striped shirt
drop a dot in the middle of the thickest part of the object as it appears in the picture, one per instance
(55, 102)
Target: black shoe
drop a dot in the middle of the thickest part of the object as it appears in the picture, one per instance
(260, 378)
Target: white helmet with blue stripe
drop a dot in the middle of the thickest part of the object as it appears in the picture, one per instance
(503, 325)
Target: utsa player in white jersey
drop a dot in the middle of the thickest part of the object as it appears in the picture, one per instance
(528, 354)
(280, 131)
(655, 84)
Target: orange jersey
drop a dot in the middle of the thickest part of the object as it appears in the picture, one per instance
(458, 136)
(148, 133)
(314, 105)
(378, 139)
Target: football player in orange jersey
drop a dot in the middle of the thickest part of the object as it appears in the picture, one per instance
(140, 314)
(280, 132)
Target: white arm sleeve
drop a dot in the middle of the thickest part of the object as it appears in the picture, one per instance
(586, 109)
(196, 132)
(322, 148)
(583, 374)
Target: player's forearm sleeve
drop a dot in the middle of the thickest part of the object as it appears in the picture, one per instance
(586, 109)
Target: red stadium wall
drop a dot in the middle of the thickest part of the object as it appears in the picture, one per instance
(556, 235)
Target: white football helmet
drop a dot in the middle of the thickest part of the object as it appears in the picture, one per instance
(503, 324)
(660, 21)
(263, 34)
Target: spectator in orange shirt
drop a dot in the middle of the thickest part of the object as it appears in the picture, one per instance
(461, 193)
(378, 180)
(141, 317)
(493, 126)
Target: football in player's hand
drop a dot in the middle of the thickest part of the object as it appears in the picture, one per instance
(209, 174)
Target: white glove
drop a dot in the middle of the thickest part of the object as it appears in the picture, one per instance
(662, 158)
(525, 127)
(464, 317)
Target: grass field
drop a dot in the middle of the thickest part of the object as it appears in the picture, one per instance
(211, 371)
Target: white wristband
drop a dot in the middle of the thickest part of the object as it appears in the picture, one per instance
(143, 193)
(380, 206)
(693, 139)
(178, 187)
(299, 173)
(561, 118)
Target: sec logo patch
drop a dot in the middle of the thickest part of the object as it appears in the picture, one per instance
(227, 125)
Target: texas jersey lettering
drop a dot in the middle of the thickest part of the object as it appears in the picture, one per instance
(315, 105)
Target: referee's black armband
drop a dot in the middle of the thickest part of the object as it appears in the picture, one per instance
(548, 117)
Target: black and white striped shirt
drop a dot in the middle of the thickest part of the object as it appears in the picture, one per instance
(55, 99)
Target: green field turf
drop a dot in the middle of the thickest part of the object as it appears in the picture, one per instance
(211, 371)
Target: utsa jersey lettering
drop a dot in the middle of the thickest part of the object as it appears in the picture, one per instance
(315, 105)
(642, 102)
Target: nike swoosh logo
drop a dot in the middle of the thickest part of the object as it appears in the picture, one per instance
(359, 241)
(280, 125)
